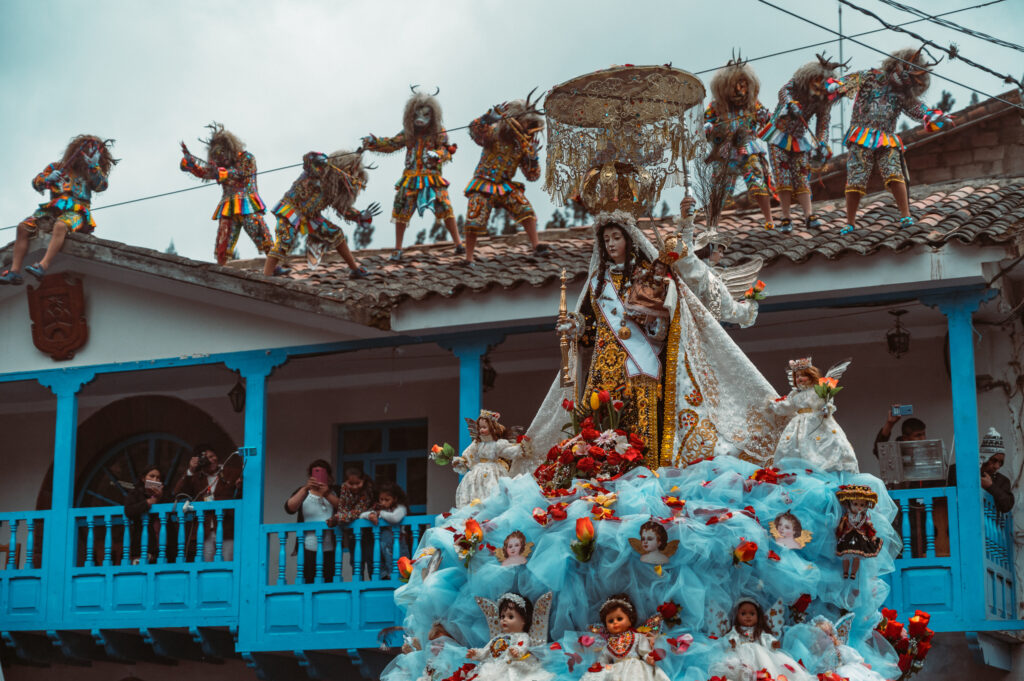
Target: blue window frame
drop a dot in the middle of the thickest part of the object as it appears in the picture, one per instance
(388, 450)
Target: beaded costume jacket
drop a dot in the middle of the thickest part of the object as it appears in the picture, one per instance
(785, 127)
(499, 160)
(241, 197)
(71, 186)
(306, 194)
(416, 166)
(877, 108)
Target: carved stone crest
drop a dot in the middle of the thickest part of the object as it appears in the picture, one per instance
(57, 308)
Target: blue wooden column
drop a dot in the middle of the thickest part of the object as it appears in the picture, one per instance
(470, 352)
(254, 368)
(58, 530)
(959, 307)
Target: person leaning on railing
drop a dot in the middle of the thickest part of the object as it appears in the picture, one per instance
(147, 491)
(993, 455)
(211, 484)
(355, 497)
(391, 508)
(315, 501)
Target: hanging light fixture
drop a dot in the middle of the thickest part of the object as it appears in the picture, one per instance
(237, 396)
(898, 338)
(488, 375)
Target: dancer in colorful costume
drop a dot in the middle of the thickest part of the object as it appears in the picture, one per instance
(510, 136)
(326, 182)
(421, 187)
(71, 181)
(794, 146)
(812, 435)
(881, 96)
(731, 123)
(230, 165)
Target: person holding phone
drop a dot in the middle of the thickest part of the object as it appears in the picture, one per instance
(912, 430)
(315, 501)
(148, 490)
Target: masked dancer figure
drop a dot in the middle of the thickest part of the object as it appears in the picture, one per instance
(731, 123)
(240, 207)
(795, 146)
(881, 96)
(509, 134)
(326, 182)
(421, 187)
(71, 181)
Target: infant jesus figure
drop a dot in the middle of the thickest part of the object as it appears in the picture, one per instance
(652, 297)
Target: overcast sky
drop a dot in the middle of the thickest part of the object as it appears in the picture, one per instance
(290, 77)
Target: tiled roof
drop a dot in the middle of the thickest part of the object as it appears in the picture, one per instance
(984, 211)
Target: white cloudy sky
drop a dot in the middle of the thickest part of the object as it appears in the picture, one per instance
(289, 77)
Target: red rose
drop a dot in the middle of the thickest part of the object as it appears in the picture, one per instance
(802, 603)
(889, 614)
(587, 422)
(596, 667)
(893, 629)
(604, 397)
(631, 454)
(553, 453)
(565, 458)
(904, 663)
(922, 649)
(668, 610)
(635, 440)
(773, 556)
(614, 459)
(568, 405)
(744, 552)
(590, 434)
(586, 464)
(596, 452)
(618, 405)
(557, 512)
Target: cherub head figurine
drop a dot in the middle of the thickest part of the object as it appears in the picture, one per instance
(653, 544)
(514, 550)
(788, 531)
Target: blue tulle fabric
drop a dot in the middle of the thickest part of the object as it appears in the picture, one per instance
(724, 507)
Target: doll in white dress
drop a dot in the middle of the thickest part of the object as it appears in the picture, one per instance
(813, 434)
(628, 654)
(519, 631)
(752, 647)
(487, 459)
(832, 653)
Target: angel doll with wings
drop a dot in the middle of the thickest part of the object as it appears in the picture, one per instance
(824, 647)
(751, 645)
(488, 458)
(628, 652)
(813, 434)
(517, 629)
(653, 545)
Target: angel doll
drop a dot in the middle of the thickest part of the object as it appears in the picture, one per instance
(653, 544)
(628, 653)
(488, 458)
(813, 434)
(514, 550)
(855, 535)
(516, 626)
(753, 646)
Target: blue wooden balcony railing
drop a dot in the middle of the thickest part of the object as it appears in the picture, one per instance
(22, 575)
(930, 567)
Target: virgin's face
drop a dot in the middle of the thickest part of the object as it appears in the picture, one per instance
(513, 547)
(615, 244)
(649, 541)
(511, 621)
(746, 615)
(616, 621)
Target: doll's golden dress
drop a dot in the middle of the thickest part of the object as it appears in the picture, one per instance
(813, 434)
(486, 462)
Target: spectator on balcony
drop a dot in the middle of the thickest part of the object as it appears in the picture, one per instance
(205, 480)
(315, 501)
(147, 491)
(355, 498)
(391, 508)
(993, 456)
(912, 430)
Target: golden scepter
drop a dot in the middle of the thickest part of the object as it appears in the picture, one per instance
(566, 378)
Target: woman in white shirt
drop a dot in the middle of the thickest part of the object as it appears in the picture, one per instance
(316, 501)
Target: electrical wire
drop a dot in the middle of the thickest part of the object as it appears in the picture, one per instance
(952, 51)
(951, 25)
(703, 71)
(883, 52)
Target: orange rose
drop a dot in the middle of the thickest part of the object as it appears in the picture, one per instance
(584, 529)
(473, 531)
(404, 568)
(745, 552)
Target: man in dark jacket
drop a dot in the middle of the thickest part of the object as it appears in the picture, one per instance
(993, 456)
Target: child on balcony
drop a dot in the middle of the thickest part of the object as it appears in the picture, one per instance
(391, 508)
(355, 497)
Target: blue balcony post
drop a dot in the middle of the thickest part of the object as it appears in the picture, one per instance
(470, 351)
(959, 307)
(249, 555)
(59, 533)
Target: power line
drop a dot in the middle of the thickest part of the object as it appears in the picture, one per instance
(883, 52)
(951, 25)
(952, 51)
(709, 70)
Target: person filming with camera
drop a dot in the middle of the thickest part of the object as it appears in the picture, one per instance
(205, 480)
